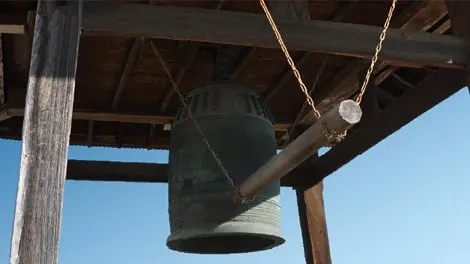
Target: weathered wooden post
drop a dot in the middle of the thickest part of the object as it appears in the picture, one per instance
(313, 225)
(46, 132)
(310, 201)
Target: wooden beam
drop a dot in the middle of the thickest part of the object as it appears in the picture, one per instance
(126, 72)
(183, 68)
(245, 58)
(108, 117)
(90, 134)
(414, 102)
(112, 171)
(11, 23)
(47, 125)
(287, 73)
(2, 83)
(418, 16)
(236, 28)
(312, 241)
(379, 78)
(342, 117)
(120, 117)
(460, 20)
(85, 170)
(279, 9)
(313, 224)
(458, 14)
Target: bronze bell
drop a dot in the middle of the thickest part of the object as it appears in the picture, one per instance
(204, 218)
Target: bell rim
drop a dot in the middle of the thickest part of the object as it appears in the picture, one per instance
(276, 242)
(258, 230)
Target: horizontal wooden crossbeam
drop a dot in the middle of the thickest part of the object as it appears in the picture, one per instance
(7, 113)
(401, 48)
(111, 171)
(11, 23)
(236, 28)
(433, 90)
(410, 105)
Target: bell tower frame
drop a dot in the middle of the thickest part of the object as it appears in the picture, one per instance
(48, 109)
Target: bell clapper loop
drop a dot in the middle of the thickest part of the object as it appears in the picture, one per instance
(242, 199)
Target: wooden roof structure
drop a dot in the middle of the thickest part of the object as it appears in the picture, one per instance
(124, 99)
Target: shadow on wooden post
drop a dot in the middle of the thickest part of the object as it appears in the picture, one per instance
(46, 133)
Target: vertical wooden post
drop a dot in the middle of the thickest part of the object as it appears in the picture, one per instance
(46, 132)
(313, 225)
(2, 94)
(310, 202)
(460, 21)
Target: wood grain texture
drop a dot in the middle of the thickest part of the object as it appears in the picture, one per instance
(183, 68)
(460, 21)
(414, 102)
(383, 75)
(131, 59)
(47, 124)
(121, 117)
(339, 119)
(112, 171)
(287, 73)
(11, 24)
(419, 16)
(314, 239)
(290, 9)
(2, 83)
(402, 48)
(313, 224)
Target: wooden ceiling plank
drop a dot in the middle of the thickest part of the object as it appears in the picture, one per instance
(120, 117)
(112, 171)
(414, 102)
(2, 82)
(90, 133)
(132, 56)
(460, 19)
(420, 15)
(11, 23)
(279, 9)
(382, 76)
(183, 68)
(286, 74)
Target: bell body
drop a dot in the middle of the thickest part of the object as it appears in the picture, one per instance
(204, 218)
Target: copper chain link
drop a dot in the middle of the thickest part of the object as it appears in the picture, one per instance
(190, 114)
(331, 136)
(291, 63)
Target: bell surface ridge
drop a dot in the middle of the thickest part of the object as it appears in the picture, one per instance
(204, 218)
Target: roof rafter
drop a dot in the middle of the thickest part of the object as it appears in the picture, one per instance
(414, 102)
(419, 16)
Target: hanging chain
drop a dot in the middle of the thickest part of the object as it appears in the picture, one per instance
(288, 133)
(331, 137)
(196, 124)
(377, 51)
(289, 59)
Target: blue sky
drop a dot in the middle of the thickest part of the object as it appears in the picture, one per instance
(405, 201)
